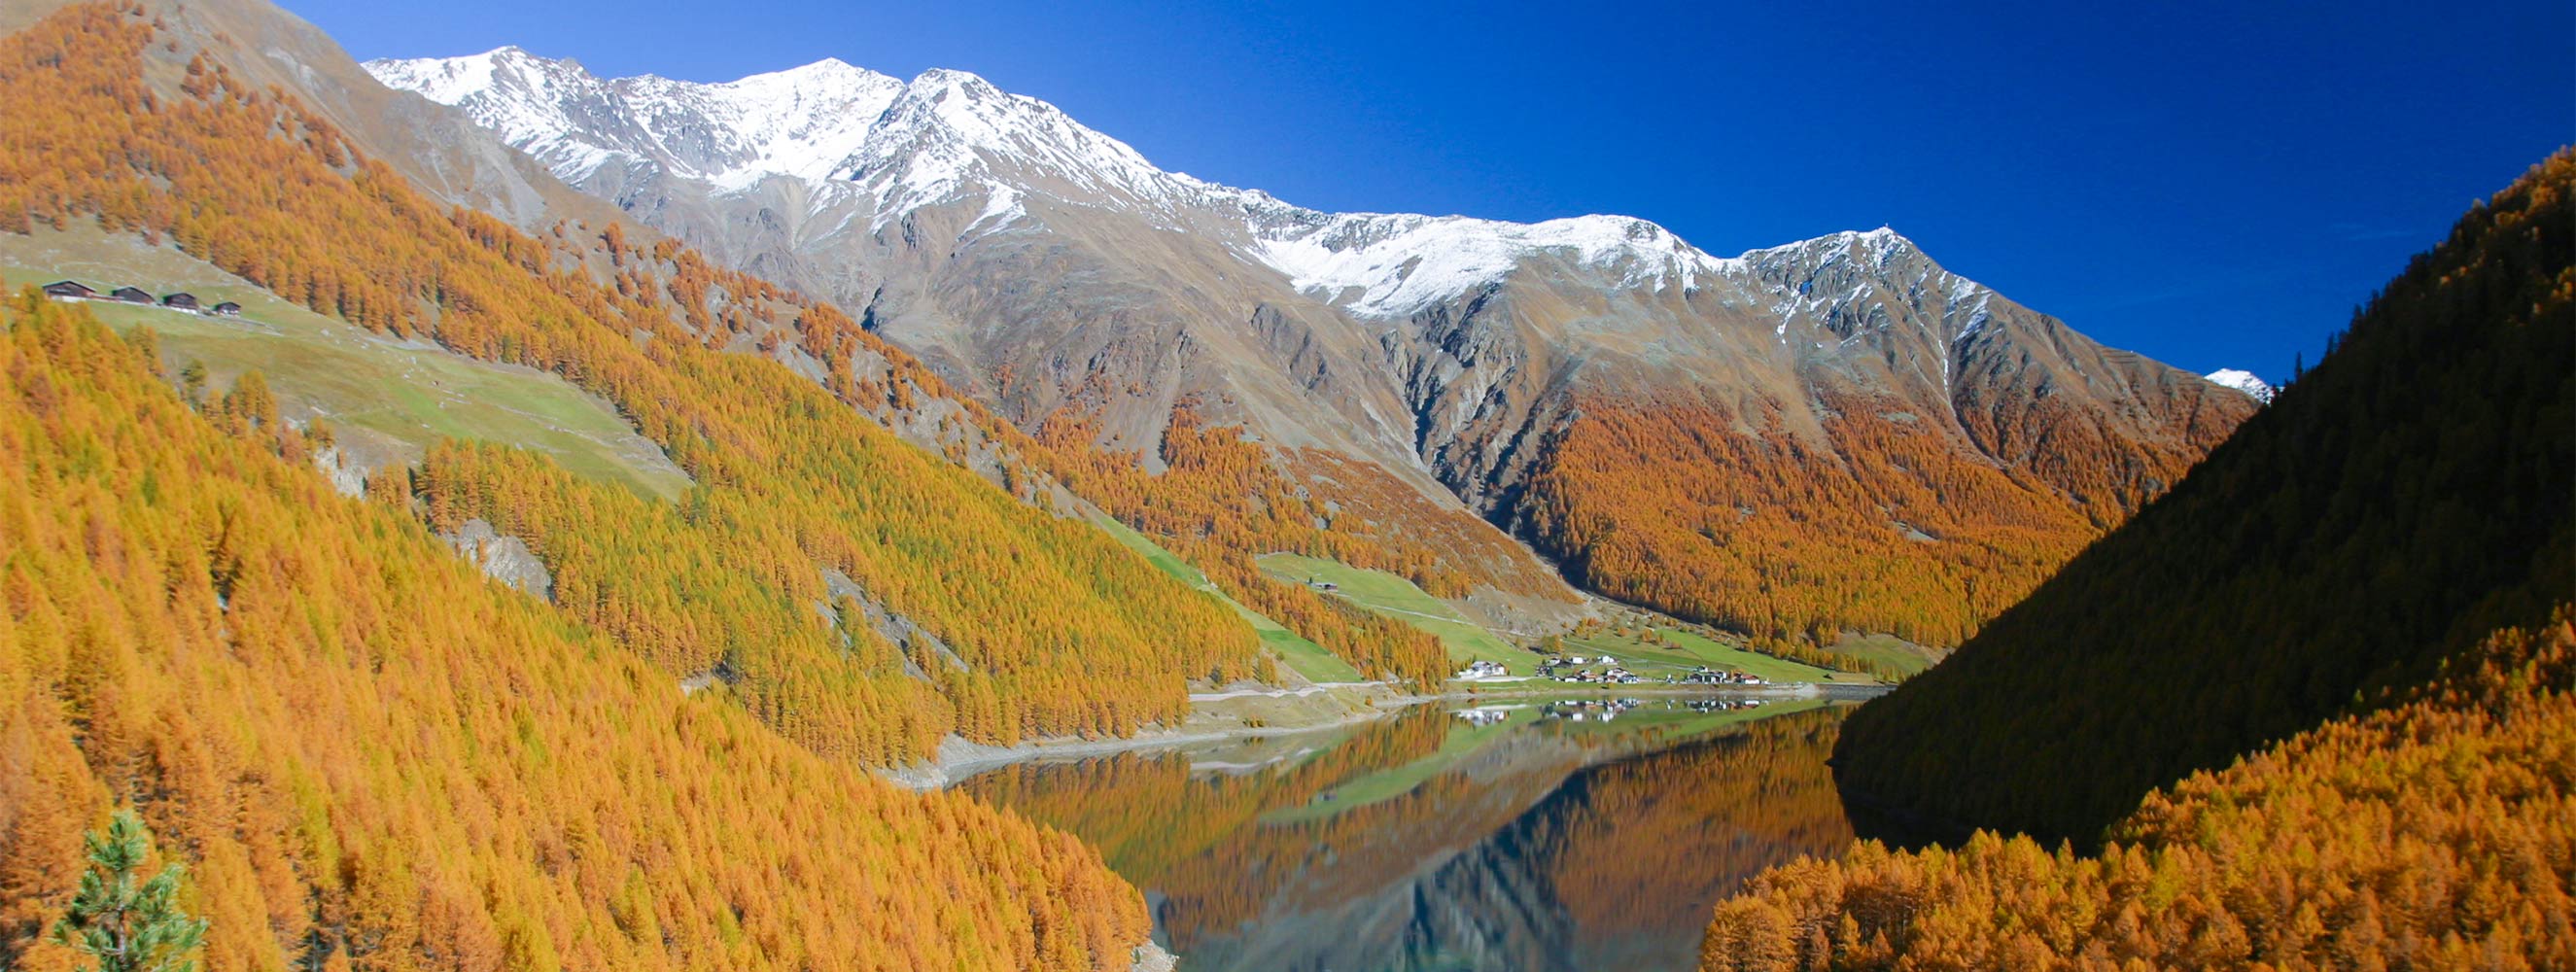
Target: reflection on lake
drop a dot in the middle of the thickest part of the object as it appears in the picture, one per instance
(1531, 837)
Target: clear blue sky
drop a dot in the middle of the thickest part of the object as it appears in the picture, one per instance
(2215, 185)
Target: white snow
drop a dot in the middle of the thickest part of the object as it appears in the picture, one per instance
(523, 98)
(797, 123)
(949, 128)
(1399, 264)
(2244, 381)
(950, 135)
(801, 123)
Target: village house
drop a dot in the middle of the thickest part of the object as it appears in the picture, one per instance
(130, 295)
(69, 290)
(226, 309)
(182, 300)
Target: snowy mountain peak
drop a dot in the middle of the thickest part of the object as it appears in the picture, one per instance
(510, 71)
(2244, 381)
(937, 80)
(1878, 247)
(801, 122)
(951, 131)
(949, 135)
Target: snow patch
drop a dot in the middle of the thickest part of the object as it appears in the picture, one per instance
(2243, 381)
(1400, 264)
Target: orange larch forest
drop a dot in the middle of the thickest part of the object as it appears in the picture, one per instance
(1060, 629)
(371, 757)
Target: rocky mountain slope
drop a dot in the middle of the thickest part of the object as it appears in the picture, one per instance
(1052, 270)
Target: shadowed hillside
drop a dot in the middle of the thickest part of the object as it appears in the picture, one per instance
(2436, 835)
(2393, 506)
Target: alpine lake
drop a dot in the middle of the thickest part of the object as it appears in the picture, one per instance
(1530, 835)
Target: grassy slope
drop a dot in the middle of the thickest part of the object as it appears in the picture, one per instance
(1467, 641)
(1695, 650)
(1398, 598)
(398, 398)
(1886, 649)
(1301, 655)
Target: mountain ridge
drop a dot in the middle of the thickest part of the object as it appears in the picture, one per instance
(503, 90)
(1051, 271)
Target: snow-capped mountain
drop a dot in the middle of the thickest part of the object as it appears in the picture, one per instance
(2244, 381)
(1051, 268)
(950, 135)
(792, 123)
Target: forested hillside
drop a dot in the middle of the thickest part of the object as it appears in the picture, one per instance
(1059, 628)
(2395, 504)
(1885, 526)
(370, 757)
(2439, 834)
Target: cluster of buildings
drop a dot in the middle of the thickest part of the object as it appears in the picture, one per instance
(1570, 668)
(178, 300)
(1705, 675)
(1483, 669)
(1614, 675)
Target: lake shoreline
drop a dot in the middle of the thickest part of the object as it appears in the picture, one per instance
(959, 758)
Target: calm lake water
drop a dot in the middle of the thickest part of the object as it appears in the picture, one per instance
(1525, 838)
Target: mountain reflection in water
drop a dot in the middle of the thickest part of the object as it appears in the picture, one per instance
(1530, 837)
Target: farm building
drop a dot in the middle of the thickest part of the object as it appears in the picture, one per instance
(130, 295)
(69, 290)
(182, 300)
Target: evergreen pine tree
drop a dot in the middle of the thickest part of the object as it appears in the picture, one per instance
(192, 381)
(125, 926)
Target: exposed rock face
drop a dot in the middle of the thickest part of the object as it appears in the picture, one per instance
(1152, 958)
(1046, 266)
(503, 558)
(901, 631)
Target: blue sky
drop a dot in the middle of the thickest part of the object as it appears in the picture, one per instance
(2214, 185)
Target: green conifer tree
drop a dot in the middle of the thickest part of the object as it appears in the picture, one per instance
(125, 926)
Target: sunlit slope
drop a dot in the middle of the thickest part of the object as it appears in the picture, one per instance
(370, 757)
(763, 398)
(387, 401)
